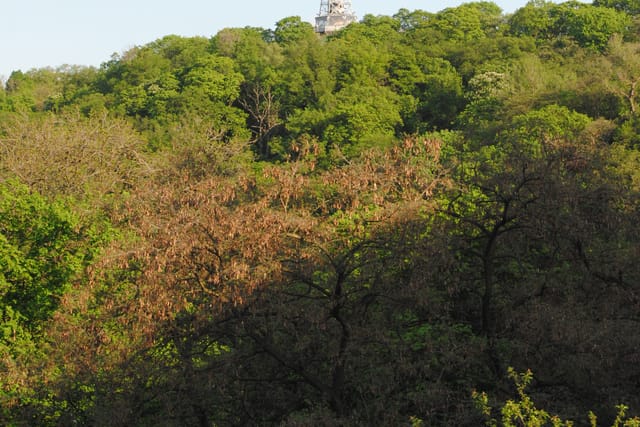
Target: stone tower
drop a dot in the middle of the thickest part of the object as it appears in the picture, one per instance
(334, 15)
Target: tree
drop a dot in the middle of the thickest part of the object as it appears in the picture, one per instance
(439, 94)
(625, 71)
(524, 412)
(295, 316)
(410, 20)
(45, 250)
(362, 114)
(91, 160)
(481, 119)
(352, 103)
(590, 26)
(29, 91)
(535, 220)
(79, 90)
(258, 60)
(292, 30)
(469, 22)
(3, 96)
(534, 20)
(40, 255)
(632, 7)
(210, 87)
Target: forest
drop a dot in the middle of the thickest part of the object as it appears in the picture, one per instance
(425, 219)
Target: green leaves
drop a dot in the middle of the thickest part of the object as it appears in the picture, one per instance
(523, 412)
(292, 30)
(589, 25)
(214, 78)
(470, 21)
(40, 255)
(632, 7)
(542, 131)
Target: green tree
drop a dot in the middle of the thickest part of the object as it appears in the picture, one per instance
(30, 91)
(632, 7)
(292, 30)
(539, 130)
(212, 78)
(380, 30)
(481, 118)
(534, 20)
(161, 82)
(3, 95)
(353, 102)
(439, 94)
(534, 219)
(590, 26)
(362, 113)
(470, 21)
(45, 250)
(524, 412)
(79, 90)
(410, 20)
(258, 59)
(41, 253)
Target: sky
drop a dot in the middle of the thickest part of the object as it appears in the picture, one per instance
(46, 33)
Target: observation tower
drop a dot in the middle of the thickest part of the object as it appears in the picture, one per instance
(334, 15)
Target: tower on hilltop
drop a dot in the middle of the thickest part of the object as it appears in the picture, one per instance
(334, 15)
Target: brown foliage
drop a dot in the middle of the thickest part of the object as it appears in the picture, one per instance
(289, 267)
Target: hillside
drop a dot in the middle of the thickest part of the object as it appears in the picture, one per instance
(370, 228)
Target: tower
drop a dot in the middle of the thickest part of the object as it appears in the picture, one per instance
(334, 15)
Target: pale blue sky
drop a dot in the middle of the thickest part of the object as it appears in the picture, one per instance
(41, 33)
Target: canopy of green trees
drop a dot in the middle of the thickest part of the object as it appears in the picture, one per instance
(381, 226)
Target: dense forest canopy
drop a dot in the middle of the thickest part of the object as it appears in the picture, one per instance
(390, 225)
